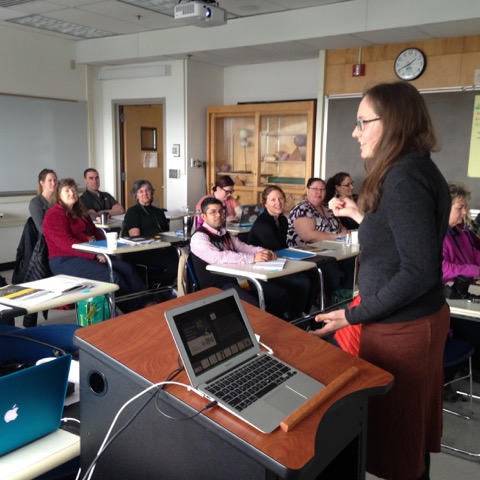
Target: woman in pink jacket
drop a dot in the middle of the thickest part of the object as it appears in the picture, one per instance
(460, 256)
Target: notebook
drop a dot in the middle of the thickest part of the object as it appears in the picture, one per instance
(215, 341)
(31, 402)
(248, 217)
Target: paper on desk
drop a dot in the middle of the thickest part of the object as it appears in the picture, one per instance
(272, 265)
(60, 285)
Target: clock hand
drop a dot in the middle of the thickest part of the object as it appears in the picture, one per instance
(408, 64)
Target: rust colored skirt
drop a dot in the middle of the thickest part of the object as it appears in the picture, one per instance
(407, 422)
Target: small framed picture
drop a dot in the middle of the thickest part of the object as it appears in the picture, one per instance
(176, 150)
(148, 139)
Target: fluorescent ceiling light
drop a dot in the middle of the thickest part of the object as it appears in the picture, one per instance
(67, 28)
(162, 6)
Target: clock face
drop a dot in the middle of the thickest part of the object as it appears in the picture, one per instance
(410, 64)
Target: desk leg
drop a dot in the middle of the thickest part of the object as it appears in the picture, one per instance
(261, 296)
(112, 294)
(322, 300)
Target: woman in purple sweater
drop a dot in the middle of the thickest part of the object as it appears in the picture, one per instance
(460, 256)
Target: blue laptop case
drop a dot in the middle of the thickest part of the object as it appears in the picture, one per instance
(31, 402)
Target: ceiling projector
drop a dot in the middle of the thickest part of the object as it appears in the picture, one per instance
(201, 14)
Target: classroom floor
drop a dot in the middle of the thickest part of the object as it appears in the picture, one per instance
(458, 432)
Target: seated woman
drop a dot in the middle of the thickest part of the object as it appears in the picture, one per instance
(222, 190)
(270, 232)
(47, 183)
(146, 220)
(341, 186)
(460, 257)
(38, 206)
(66, 223)
(311, 221)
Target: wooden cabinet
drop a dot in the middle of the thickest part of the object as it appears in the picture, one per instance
(262, 144)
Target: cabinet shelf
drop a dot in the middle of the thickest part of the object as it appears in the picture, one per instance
(243, 141)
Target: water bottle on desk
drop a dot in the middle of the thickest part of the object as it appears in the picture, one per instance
(187, 222)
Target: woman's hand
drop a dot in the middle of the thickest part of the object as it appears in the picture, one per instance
(333, 321)
(101, 258)
(345, 207)
(264, 256)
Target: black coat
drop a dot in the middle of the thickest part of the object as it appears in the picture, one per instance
(31, 261)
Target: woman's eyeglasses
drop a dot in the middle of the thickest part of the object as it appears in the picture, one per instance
(360, 123)
(348, 185)
(228, 192)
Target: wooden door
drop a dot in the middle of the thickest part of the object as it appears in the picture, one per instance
(142, 143)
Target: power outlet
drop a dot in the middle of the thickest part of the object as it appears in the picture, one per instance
(174, 173)
(195, 163)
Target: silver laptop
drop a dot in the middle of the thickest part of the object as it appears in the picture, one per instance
(248, 217)
(31, 402)
(219, 349)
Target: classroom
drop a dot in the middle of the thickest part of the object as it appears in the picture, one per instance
(285, 53)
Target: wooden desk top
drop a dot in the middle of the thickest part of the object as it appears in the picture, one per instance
(143, 343)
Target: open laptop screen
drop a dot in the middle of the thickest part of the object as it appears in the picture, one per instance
(213, 333)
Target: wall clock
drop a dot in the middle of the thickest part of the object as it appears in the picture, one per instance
(410, 64)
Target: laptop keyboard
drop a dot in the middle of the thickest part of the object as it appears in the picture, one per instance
(247, 384)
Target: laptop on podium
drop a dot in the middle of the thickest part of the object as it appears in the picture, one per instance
(31, 402)
(222, 356)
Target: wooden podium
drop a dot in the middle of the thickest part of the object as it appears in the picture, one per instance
(121, 357)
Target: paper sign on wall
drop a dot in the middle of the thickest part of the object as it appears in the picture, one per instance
(474, 157)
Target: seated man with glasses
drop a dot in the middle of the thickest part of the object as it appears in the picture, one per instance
(212, 244)
(222, 190)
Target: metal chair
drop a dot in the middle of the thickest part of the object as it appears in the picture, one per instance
(457, 352)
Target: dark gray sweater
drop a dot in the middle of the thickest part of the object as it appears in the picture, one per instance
(400, 273)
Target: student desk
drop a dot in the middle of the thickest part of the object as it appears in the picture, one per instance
(249, 272)
(122, 357)
(53, 283)
(99, 247)
(40, 456)
(465, 309)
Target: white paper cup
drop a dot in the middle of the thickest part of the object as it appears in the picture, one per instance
(112, 239)
(354, 234)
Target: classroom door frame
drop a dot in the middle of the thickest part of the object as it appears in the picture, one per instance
(157, 174)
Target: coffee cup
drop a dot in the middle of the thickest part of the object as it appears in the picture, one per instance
(354, 234)
(104, 218)
(112, 239)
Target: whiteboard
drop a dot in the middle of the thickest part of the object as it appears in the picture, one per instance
(37, 133)
(452, 114)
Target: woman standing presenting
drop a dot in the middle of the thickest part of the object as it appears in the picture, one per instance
(403, 211)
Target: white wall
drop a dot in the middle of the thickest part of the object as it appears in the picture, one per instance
(271, 82)
(168, 90)
(204, 88)
(36, 65)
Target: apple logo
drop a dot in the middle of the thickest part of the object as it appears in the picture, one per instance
(11, 414)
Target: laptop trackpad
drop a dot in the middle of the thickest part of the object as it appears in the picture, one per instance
(286, 400)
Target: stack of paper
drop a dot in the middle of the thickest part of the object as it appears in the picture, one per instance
(272, 265)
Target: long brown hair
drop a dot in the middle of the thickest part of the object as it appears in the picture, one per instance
(407, 128)
(42, 176)
(78, 209)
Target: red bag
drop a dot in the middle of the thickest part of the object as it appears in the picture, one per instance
(349, 337)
